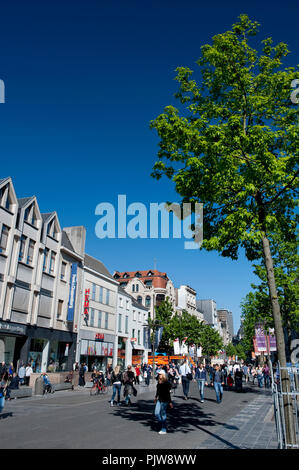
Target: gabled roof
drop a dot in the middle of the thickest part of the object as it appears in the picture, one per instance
(158, 278)
(65, 241)
(47, 216)
(4, 180)
(97, 266)
(23, 201)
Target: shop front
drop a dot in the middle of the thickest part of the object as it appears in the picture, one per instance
(45, 349)
(12, 339)
(137, 357)
(96, 350)
(121, 352)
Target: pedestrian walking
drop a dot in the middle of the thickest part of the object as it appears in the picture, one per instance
(162, 400)
(253, 374)
(82, 376)
(116, 377)
(21, 374)
(3, 368)
(11, 370)
(3, 390)
(266, 375)
(201, 378)
(260, 377)
(218, 382)
(28, 372)
(238, 380)
(128, 380)
(147, 374)
(137, 372)
(109, 371)
(246, 373)
(186, 375)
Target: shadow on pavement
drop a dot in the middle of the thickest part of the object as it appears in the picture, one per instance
(6, 415)
(183, 417)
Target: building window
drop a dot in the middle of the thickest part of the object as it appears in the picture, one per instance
(137, 275)
(52, 262)
(99, 319)
(148, 283)
(91, 321)
(120, 301)
(139, 299)
(46, 255)
(93, 294)
(101, 295)
(22, 248)
(106, 320)
(138, 336)
(4, 238)
(128, 304)
(123, 284)
(127, 324)
(137, 287)
(134, 315)
(147, 301)
(139, 316)
(30, 251)
(119, 322)
(107, 296)
(59, 308)
(133, 333)
(133, 288)
(63, 270)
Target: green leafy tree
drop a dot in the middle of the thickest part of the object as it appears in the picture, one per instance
(210, 341)
(230, 350)
(233, 146)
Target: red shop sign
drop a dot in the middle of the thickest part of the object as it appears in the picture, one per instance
(86, 302)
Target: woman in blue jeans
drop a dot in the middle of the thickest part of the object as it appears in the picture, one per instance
(162, 400)
(116, 377)
(3, 388)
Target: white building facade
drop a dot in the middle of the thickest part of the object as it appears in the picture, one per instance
(36, 264)
(131, 328)
(96, 336)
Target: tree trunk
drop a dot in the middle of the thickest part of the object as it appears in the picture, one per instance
(280, 341)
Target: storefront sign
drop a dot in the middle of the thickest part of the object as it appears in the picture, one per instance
(13, 328)
(72, 297)
(86, 305)
(99, 337)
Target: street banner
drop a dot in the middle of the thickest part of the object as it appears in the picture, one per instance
(72, 296)
(260, 336)
(256, 351)
(272, 340)
(199, 351)
(176, 347)
(184, 347)
(158, 336)
(147, 338)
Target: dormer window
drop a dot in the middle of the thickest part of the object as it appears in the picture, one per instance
(126, 275)
(137, 274)
(52, 230)
(5, 197)
(116, 276)
(150, 273)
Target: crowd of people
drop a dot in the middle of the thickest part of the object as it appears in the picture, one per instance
(228, 376)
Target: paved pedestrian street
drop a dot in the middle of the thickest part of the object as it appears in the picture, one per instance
(75, 420)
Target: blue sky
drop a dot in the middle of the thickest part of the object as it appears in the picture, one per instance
(83, 80)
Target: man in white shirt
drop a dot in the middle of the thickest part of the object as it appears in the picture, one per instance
(184, 372)
(28, 373)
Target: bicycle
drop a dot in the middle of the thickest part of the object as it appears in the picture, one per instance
(98, 388)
